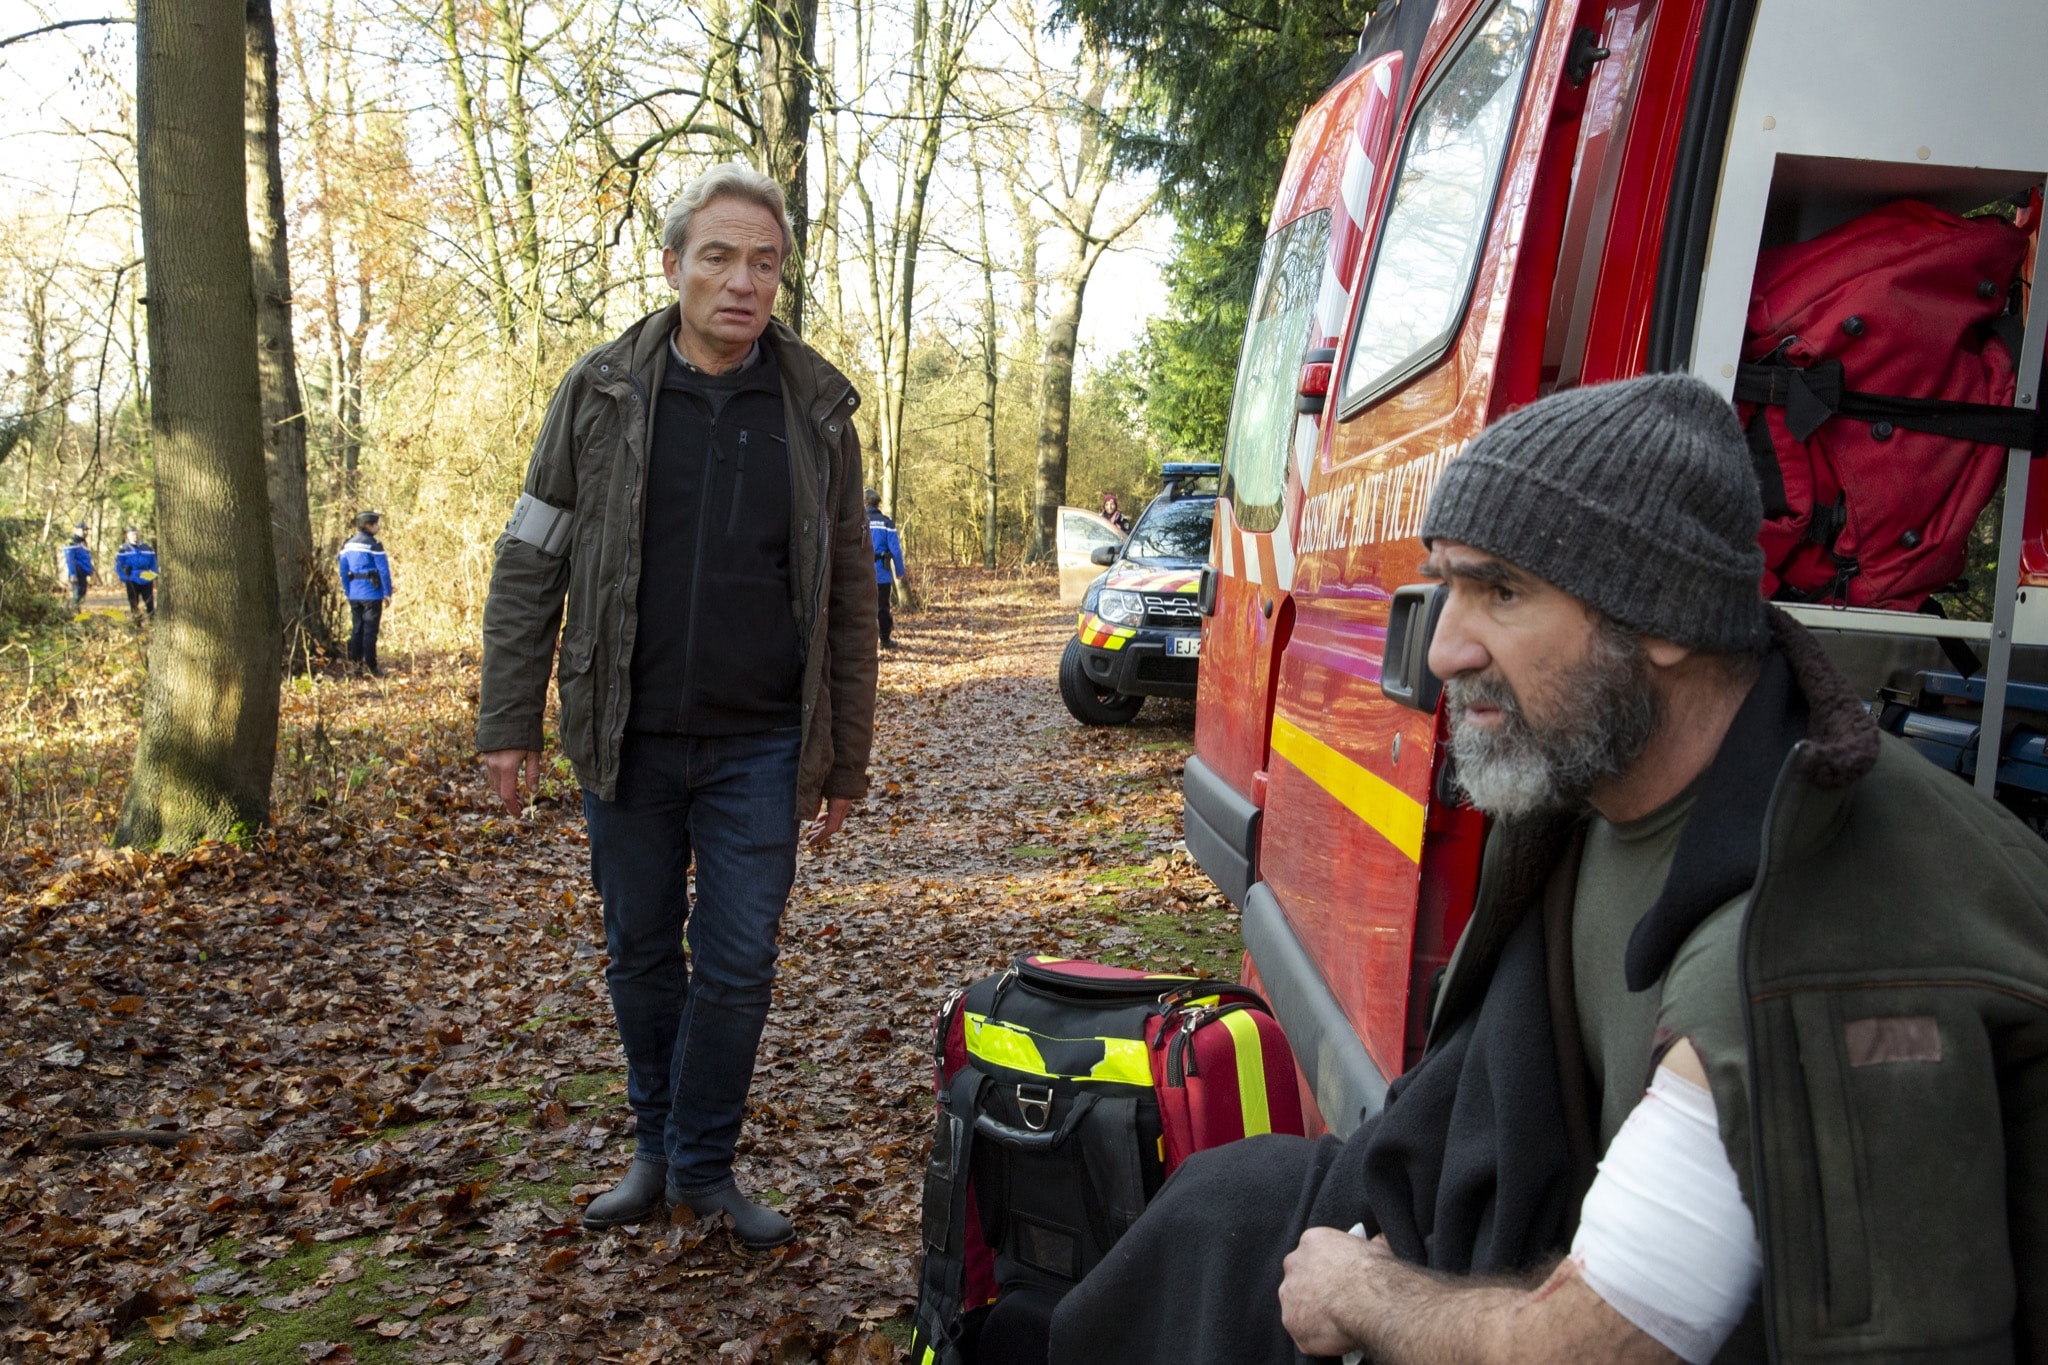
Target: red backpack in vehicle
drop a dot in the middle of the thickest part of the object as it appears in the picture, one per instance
(1877, 398)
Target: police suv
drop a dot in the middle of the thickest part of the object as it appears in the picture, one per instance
(1139, 633)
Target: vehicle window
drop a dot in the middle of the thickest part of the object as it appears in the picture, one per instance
(1085, 534)
(1268, 370)
(1175, 531)
(1449, 169)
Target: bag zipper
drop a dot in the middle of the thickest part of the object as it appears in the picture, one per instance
(1180, 1055)
(1165, 990)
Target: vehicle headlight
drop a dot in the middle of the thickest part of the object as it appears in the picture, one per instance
(1124, 608)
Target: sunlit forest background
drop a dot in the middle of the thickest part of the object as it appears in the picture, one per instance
(473, 193)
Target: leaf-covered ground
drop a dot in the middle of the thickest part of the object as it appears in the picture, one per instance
(340, 1095)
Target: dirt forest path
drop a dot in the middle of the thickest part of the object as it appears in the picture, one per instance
(339, 1096)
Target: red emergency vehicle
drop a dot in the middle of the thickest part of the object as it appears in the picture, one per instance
(1496, 199)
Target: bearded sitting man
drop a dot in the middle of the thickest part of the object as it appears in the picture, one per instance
(1781, 982)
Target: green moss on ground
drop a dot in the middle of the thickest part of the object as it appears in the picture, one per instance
(1131, 874)
(583, 1089)
(492, 1095)
(285, 1331)
(333, 1318)
(557, 1188)
(1206, 942)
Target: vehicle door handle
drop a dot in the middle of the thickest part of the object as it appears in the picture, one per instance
(1404, 670)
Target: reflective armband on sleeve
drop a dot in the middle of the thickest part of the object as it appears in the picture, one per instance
(540, 525)
(1665, 1237)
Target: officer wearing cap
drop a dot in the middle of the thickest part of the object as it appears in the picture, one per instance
(889, 571)
(366, 582)
(78, 567)
(135, 566)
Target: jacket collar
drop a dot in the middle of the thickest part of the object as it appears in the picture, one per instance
(1801, 721)
(813, 383)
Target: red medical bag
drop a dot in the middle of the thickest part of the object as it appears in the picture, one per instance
(1068, 1092)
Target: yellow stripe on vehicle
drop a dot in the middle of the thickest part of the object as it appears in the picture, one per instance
(1394, 813)
(1251, 1072)
(1125, 1061)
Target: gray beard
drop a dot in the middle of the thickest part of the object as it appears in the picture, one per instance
(1609, 711)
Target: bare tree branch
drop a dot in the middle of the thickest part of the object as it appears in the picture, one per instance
(68, 23)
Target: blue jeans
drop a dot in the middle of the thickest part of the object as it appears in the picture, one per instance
(691, 1024)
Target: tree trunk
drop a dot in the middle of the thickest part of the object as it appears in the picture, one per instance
(1074, 220)
(1055, 409)
(990, 373)
(509, 23)
(1028, 228)
(303, 591)
(938, 43)
(787, 32)
(825, 248)
(209, 712)
(468, 131)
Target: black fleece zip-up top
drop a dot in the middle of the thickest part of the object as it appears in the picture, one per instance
(717, 650)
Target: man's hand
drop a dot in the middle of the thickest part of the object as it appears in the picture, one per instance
(826, 825)
(1344, 1294)
(1324, 1276)
(503, 767)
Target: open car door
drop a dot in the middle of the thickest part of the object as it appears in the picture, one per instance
(1081, 533)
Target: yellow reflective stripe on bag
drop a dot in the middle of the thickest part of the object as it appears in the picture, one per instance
(1251, 1071)
(1125, 1061)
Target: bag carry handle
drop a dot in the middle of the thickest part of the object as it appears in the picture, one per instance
(1024, 1140)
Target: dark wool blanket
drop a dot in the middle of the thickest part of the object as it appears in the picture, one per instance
(1468, 1170)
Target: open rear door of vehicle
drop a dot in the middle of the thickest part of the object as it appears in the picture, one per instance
(1081, 534)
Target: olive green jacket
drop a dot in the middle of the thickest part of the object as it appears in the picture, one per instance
(1879, 1059)
(1894, 1119)
(591, 458)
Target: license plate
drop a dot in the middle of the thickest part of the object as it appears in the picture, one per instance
(1187, 646)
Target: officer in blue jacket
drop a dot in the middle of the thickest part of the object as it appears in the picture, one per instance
(135, 566)
(78, 568)
(366, 582)
(888, 563)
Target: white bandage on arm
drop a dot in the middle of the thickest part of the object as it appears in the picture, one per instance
(1664, 1236)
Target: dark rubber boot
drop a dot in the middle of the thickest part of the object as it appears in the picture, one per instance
(635, 1199)
(759, 1227)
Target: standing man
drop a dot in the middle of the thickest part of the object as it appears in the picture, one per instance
(135, 566)
(888, 544)
(1743, 1055)
(78, 568)
(694, 497)
(366, 581)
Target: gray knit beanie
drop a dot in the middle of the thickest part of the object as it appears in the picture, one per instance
(1636, 497)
